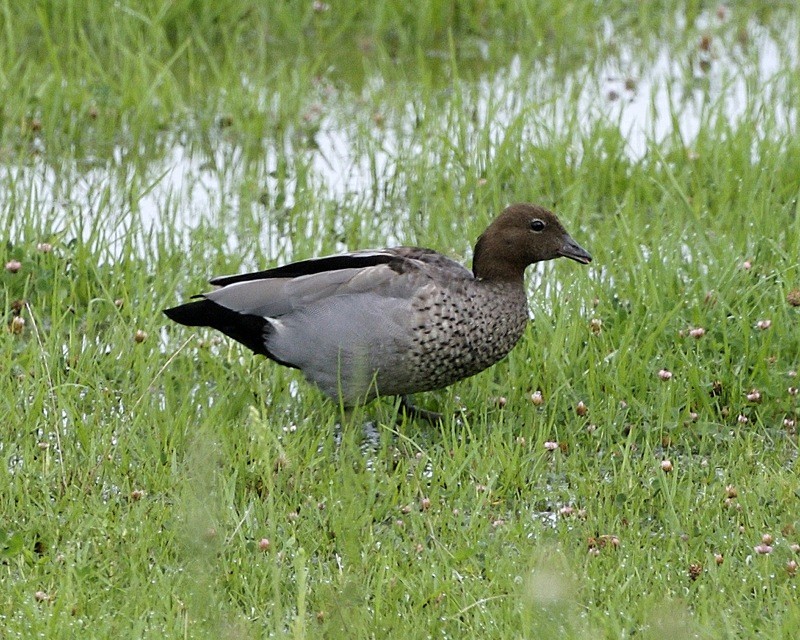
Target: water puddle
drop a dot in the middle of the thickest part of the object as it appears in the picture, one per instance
(354, 157)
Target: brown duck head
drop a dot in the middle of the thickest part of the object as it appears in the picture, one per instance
(520, 236)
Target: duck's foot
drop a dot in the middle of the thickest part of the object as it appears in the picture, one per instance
(370, 432)
(413, 411)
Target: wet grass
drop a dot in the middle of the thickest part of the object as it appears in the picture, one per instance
(629, 471)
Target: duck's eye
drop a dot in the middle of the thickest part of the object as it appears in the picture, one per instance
(537, 225)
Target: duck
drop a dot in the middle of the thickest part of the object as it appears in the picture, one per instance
(389, 322)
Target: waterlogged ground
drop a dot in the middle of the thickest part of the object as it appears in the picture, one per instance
(363, 147)
(629, 471)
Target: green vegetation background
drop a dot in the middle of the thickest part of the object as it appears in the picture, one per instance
(157, 482)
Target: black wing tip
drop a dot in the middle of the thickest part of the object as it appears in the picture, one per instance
(192, 314)
(311, 266)
(221, 281)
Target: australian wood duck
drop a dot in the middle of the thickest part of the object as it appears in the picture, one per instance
(389, 321)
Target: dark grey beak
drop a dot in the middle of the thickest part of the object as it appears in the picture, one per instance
(571, 249)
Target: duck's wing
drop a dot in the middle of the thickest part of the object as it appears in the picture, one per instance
(400, 258)
(325, 264)
(274, 297)
(244, 305)
(393, 273)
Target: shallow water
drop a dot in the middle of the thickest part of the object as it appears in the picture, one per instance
(651, 99)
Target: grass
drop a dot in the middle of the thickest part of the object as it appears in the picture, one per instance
(159, 482)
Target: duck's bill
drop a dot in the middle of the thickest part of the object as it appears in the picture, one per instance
(574, 251)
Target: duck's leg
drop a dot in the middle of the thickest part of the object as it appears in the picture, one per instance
(413, 411)
(347, 420)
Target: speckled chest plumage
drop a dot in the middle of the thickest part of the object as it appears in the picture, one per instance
(457, 331)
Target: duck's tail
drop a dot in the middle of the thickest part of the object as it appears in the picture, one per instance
(249, 329)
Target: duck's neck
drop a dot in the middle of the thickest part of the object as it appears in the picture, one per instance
(489, 264)
(490, 267)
